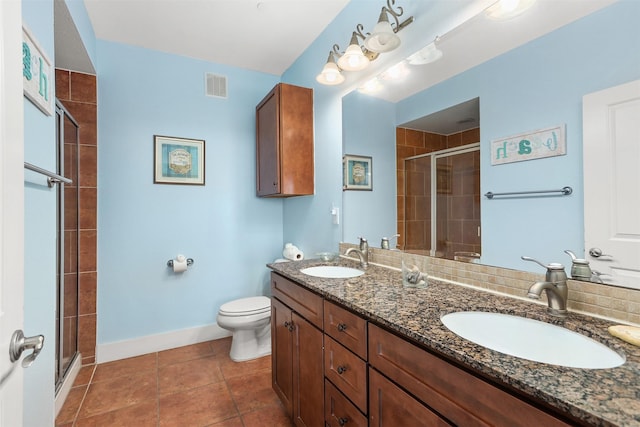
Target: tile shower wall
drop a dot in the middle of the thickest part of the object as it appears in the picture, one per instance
(414, 190)
(78, 93)
(612, 302)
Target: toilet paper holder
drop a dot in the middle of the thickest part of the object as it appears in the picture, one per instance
(190, 262)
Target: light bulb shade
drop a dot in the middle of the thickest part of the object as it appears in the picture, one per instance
(382, 38)
(353, 58)
(330, 74)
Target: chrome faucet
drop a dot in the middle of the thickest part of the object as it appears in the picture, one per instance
(363, 252)
(555, 285)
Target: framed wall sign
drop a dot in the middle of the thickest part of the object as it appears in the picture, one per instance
(178, 160)
(357, 173)
(538, 144)
(37, 74)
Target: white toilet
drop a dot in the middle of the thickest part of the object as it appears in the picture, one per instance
(249, 320)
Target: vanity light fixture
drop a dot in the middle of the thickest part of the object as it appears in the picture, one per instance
(330, 74)
(357, 57)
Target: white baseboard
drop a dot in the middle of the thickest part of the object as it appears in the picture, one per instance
(152, 343)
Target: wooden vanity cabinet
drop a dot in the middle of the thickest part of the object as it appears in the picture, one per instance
(453, 393)
(296, 351)
(284, 142)
(365, 375)
(345, 366)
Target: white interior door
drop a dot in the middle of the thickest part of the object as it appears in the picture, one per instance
(11, 207)
(611, 124)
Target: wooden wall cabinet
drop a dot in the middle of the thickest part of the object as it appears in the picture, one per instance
(284, 142)
(296, 351)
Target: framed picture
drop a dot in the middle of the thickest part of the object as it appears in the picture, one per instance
(356, 173)
(178, 160)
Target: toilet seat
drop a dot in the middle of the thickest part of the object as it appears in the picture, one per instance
(246, 306)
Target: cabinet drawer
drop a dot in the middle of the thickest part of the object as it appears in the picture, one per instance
(391, 406)
(463, 398)
(301, 300)
(347, 328)
(338, 411)
(347, 371)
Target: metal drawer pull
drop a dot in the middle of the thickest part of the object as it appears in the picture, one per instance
(341, 369)
(342, 327)
(342, 421)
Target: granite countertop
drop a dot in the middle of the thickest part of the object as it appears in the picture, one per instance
(601, 397)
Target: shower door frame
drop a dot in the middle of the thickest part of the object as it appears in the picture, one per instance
(434, 156)
(61, 370)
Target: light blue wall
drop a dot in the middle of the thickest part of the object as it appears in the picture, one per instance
(40, 234)
(229, 232)
(370, 214)
(538, 85)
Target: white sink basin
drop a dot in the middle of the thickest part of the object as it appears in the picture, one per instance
(332, 272)
(532, 340)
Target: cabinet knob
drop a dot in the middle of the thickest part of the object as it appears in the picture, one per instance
(289, 325)
(342, 421)
(342, 327)
(341, 369)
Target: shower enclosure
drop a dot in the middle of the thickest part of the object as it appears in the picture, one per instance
(67, 306)
(442, 203)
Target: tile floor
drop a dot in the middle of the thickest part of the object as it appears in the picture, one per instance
(196, 385)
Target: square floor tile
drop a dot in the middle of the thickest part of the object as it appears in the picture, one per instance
(198, 407)
(187, 375)
(119, 392)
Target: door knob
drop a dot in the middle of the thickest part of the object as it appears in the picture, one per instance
(19, 343)
(597, 253)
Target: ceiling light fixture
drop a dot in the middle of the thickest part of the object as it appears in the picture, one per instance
(371, 86)
(428, 54)
(356, 57)
(396, 72)
(507, 9)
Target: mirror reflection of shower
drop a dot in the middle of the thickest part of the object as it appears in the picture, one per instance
(67, 252)
(438, 172)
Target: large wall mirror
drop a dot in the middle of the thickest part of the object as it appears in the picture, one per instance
(538, 85)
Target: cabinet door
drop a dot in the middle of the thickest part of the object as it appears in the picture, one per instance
(308, 381)
(282, 353)
(390, 406)
(268, 145)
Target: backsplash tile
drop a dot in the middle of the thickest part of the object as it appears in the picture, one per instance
(612, 302)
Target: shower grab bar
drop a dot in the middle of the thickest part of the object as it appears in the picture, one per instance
(53, 178)
(564, 190)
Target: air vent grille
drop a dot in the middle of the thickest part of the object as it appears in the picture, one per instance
(216, 85)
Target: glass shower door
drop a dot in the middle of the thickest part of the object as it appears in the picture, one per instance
(442, 204)
(67, 308)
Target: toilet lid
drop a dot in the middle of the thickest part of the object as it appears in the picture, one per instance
(246, 306)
